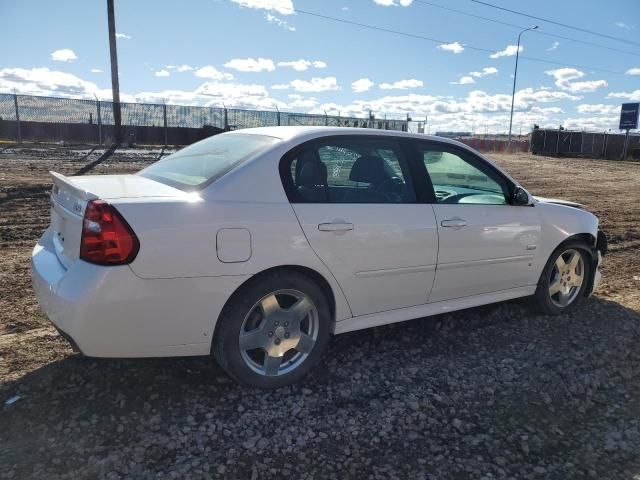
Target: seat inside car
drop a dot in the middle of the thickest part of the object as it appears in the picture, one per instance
(311, 181)
(367, 169)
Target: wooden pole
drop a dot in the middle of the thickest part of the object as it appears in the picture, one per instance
(115, 84)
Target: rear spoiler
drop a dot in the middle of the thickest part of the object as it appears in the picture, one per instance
(67, 184)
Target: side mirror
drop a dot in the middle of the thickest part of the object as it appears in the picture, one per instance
(521, 197)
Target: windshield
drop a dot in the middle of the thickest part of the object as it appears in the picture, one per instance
(204, 162)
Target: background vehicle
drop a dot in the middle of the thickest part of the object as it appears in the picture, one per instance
(256, 245)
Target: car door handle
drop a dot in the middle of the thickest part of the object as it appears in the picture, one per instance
(454, 223)
(335, 226)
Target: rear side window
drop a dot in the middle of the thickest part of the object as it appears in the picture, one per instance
(348, 170)
(202, 163)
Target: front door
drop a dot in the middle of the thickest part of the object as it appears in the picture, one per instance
(486, 244)
(355, 201)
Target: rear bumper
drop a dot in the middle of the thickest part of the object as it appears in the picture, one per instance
(110, 312)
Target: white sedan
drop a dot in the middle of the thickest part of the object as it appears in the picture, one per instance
(256, 245)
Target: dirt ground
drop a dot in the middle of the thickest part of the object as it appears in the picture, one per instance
(402, 385)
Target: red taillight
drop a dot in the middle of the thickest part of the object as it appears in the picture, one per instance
(107, 239)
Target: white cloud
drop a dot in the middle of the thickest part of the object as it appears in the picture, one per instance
(298, 101)
(454, 47)
(485, 71)
(591, 123)
(394, 3)
(553, 47)
(464, 81)
(634, 96)
(179, 68)
(302, 65)
(362, 85)
(162, 73)
(96, 70)
(42, 81)
(599, 109)
(63, 55)
(623, 25)
(122, 35)
(316, 84)
(344, 9)
(280, 86)
(284, 7)
(564, 78)
(633, 71)
(402, 84)
(212, 74)
(279, 22)
(509, 51)
(251, 64)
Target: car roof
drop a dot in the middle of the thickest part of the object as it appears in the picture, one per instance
(287, 133)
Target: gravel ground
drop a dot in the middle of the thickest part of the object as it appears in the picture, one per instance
(491, 392)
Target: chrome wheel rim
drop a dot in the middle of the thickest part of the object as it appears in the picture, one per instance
(567, 277)
(279, 332)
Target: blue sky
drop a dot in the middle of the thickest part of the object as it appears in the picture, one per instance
(262, 54)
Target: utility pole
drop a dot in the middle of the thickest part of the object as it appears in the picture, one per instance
(515, 74)
(115, 84)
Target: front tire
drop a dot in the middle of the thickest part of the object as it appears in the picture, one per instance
(564, 279)
(273, 330)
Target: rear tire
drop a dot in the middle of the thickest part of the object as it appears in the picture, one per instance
(273, 330)
(564, 279)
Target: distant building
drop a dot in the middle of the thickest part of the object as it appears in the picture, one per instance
(453, 134)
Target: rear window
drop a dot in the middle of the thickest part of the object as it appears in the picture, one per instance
(204, 162)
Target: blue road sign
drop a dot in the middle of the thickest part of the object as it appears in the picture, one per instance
(629, 116)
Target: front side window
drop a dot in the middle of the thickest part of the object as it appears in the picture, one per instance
(349, 171)
(199, 164)
(456, 179)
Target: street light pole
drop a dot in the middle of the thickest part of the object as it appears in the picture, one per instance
(515, 74)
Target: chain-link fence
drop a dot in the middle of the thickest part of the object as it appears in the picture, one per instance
(586, 144)
(34, 118)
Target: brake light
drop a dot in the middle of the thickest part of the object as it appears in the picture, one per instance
(107, 239)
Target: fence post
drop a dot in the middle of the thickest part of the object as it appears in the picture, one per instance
(18, 129)
(604, 146)
(164, 118)
(570, 139)
(99, 119)
(226, 120)
(278, 115)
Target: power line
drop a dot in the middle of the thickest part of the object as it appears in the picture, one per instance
(538, 32)
(579, 29)
(434, 40)
(440, 42)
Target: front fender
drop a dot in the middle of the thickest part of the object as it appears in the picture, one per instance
(559, 223)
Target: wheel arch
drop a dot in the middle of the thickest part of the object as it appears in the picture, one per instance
(312, 274)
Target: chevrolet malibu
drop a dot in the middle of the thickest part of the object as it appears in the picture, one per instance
(255, 246)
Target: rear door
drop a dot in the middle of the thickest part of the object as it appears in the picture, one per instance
(486, 244)
(355, 201)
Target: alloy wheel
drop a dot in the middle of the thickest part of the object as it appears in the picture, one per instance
(567, 277)
(279, 332)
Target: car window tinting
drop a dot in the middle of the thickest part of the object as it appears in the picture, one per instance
(204, 162)
(349, 171)
(457, 180)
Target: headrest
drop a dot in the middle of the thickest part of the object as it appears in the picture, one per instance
(312, 174)
(368, 169)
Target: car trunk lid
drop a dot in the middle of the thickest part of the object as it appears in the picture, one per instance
(69, 198)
